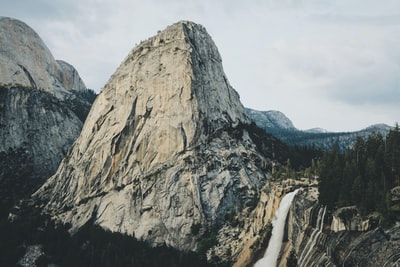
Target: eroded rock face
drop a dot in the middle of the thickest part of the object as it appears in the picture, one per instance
(316, 244)
(164, 147)
(27, 62)
(39, 123)
(244, 237)
(69, 77)
(315, 236)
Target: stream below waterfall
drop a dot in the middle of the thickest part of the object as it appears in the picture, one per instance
(275, 243)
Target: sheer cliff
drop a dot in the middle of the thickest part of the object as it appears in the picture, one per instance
(165, 153)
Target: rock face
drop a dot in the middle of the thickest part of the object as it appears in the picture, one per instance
(69, 77)
(316, 243)
(37, 126)
(165, 148)
(27, 62)
(313, 235)
(244, 237)
(39, 123)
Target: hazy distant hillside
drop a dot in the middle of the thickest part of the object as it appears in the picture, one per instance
(271, 120)
(276, 123)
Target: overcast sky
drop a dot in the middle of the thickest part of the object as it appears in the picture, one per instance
(333, 64)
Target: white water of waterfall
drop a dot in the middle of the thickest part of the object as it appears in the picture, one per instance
(303, 260)
(275, 243)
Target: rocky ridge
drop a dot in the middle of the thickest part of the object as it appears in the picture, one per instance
(280, 126)
(164, 154)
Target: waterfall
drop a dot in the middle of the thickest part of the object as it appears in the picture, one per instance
(304, 257)
(274, 246)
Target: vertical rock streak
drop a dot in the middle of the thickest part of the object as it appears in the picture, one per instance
(305, 258)
(315, 244)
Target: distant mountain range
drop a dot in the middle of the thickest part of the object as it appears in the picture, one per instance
(280, 126)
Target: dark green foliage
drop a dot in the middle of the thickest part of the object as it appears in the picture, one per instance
(330, 168)
(15, 236)
(301, 157)
(392, 155)
(272, 148)
(80, 102)
(346, 214)
(363, 175)
(91, 246)
(97, 247)
(196, 228)
(88, 94)
(292, 259)
(17, 178)
(206, 242)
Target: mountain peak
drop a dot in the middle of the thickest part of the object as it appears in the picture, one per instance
(161, 149)
(378, 127)
(184, 25)
(178, 59)
(316, 130)
(26, 61)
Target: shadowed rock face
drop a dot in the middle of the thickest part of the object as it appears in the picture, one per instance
(38, 122)
(317, 243)
(163, 148)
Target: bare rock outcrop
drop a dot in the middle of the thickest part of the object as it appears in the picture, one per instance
(315, 243)
(245, 236)
(164, 154)
(69, 77)
(314, 236)
(27, 62)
